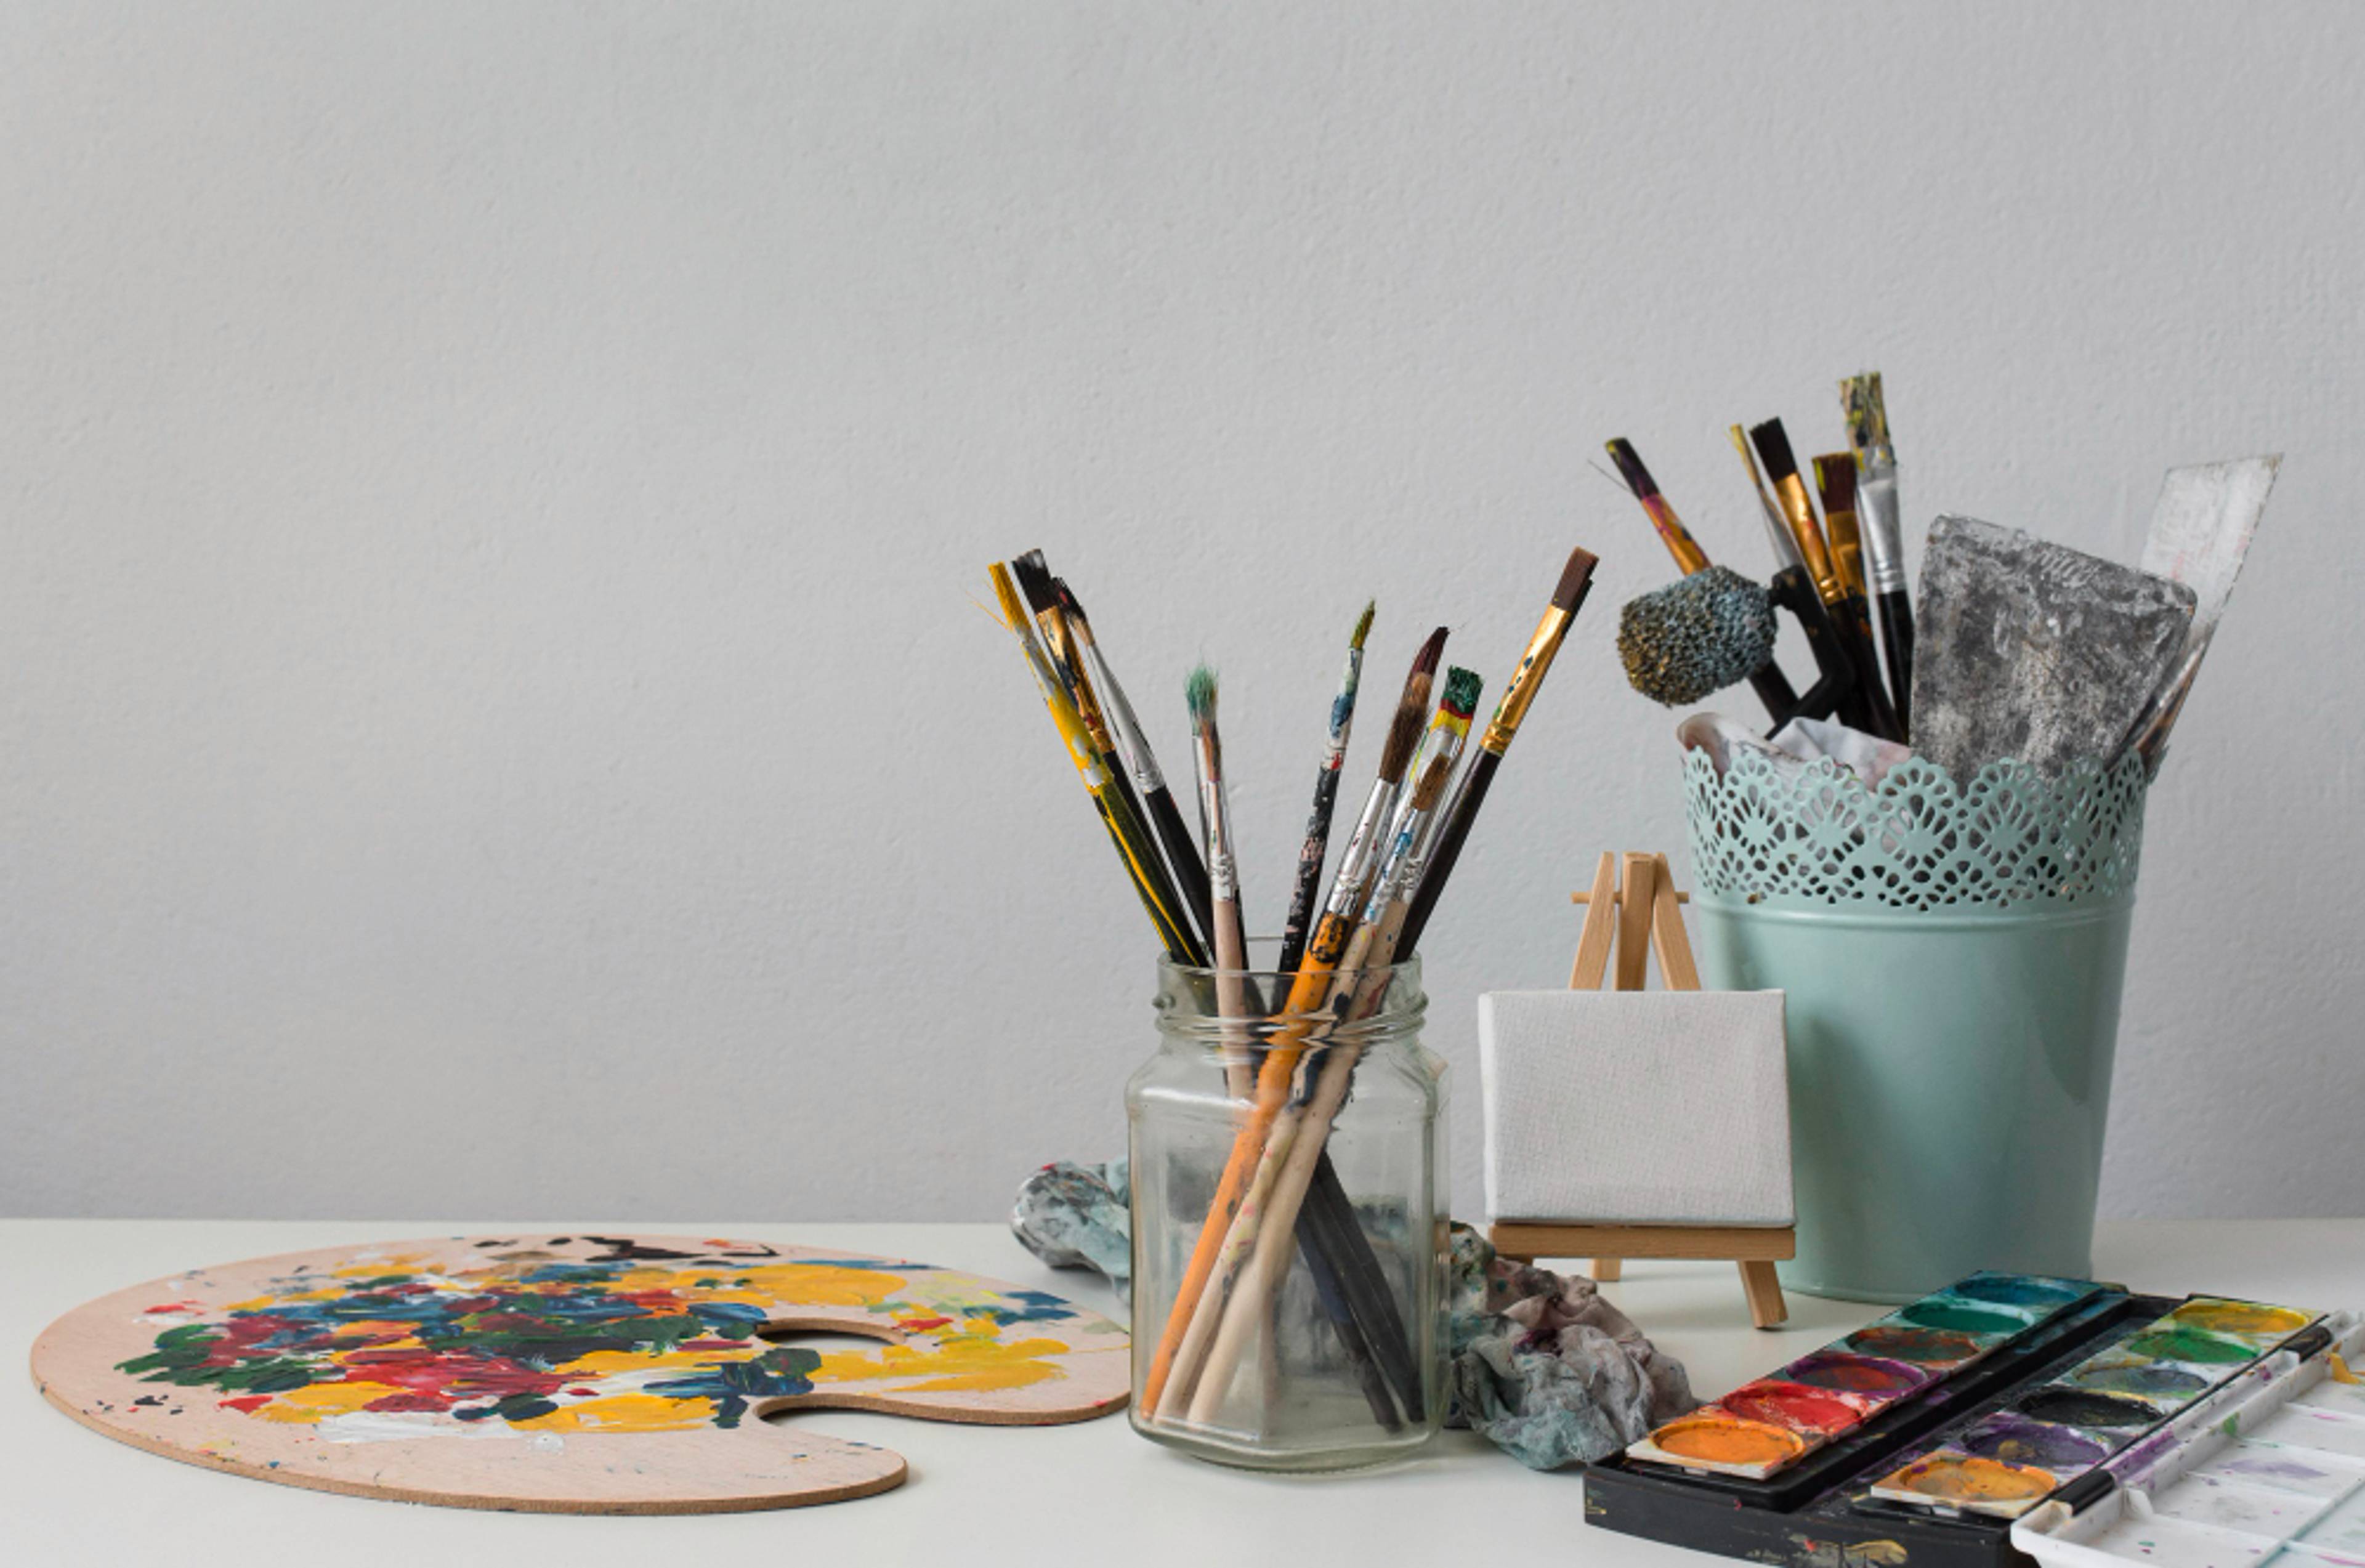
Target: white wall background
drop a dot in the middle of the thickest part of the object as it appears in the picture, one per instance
(491, 718)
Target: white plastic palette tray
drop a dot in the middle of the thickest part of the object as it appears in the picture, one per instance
(2270, 1469)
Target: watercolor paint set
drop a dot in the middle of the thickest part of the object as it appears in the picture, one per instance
(1922, 1437)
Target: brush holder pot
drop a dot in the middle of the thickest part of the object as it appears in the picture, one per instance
(1952, 957)
(1289, 1264)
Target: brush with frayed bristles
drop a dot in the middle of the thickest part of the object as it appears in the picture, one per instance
(1315, 847)
(1454, 825)
(1884, 542)
(1157, 800)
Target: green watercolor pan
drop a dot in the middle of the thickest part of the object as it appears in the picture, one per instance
(1921, 1436)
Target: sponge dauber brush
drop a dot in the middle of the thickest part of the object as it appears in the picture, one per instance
(1773, 688)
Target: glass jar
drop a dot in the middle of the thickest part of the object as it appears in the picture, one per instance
(1289, 1188)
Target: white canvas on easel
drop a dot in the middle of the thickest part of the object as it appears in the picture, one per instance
(1636, 1124)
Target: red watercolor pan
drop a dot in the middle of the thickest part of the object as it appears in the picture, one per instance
(1821, 1412)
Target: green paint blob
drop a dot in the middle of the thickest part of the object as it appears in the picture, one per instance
(1960, 1317)
(2188, 1345)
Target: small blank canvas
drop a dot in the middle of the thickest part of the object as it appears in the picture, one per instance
(1636, 1107)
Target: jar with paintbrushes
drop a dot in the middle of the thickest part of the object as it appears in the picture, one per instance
(1314, 1341)
(1289, 1208)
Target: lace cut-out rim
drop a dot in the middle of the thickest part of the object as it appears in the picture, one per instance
(1818, 837)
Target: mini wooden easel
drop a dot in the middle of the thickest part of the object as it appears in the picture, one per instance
(1637, 920)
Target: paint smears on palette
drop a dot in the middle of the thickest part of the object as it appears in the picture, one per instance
(2006, 1463)
(1764, 1427)
(2269, 1467)
(1911, 1442)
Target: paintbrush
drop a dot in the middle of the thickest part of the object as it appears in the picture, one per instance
(1035, 580)
(1297, 1139)
(1773, 688)
(1835, 487)
(1223, 874)
(1157, 800)
(1309, 988)
(1868, 708)
(1568, 597)
(1317, 848)
(1125, 831)
(1884, 543)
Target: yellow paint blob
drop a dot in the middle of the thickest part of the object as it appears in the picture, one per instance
(1715, 1437)
(2242, 1317)
(1967, 1478)
(317, 1401)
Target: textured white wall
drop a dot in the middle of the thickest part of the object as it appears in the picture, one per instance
(490, 714)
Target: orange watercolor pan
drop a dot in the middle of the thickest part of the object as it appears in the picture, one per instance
(1715, 1439)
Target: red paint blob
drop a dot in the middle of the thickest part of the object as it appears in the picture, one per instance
(1792, 1405)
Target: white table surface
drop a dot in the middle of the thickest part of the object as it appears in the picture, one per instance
(1087, 1494)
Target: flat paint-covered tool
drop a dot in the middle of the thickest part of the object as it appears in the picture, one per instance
(2032, 650)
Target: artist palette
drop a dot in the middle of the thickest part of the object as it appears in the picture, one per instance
(567, 1373)
(1927, 1433)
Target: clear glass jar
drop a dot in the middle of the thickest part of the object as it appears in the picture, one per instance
(1315, 1342)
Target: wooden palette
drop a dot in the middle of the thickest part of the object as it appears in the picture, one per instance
(588, 1374)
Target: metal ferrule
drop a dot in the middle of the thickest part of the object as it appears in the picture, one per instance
(1408, 833)
(1132, 745)
(1215, 816)
(1798, 512)
(1884, 543)
(1526, 679)
(1362, 854)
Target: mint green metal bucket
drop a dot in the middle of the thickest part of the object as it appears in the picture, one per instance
(1952, 959)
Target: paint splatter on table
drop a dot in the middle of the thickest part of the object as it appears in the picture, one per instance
(567, 1373)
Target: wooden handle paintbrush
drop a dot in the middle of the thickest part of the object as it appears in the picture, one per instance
(1568, 597)
(1309, 991)
(1223, 876)
(1286, 1168)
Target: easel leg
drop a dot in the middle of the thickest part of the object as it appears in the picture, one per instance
(1607, 1269)
(1763, 1288)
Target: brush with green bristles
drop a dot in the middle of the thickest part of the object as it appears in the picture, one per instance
(1229, 935)
(1317, 848)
